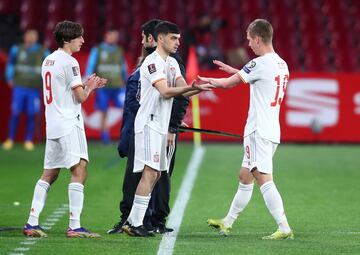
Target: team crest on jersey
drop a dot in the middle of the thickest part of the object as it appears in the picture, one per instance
(173, 71)
(75, 70)
(156, 157)
(152, 68)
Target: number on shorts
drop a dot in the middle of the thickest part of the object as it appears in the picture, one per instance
(279, 95)
(49, 96)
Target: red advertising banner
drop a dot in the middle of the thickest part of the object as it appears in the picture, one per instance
(322, 107)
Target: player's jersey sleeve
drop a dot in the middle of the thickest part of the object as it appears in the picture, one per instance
(154, 71)
(72, 74)
(251, 71)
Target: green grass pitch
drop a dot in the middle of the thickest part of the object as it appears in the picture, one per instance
(319, 185)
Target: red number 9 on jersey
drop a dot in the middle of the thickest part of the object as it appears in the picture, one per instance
(49, 96)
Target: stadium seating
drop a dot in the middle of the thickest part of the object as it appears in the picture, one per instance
(312, 35)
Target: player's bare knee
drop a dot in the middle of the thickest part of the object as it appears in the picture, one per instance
(245, 177)
(261, 178)
(155, 175)
(158, 176)
(79, 172)
(50, 175)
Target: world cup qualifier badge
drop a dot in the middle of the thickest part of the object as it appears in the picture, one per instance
(152, 68)
(247, 68)
(75, 70)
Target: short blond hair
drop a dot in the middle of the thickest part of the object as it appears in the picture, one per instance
(261, 28)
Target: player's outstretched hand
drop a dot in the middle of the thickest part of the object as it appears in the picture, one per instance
(206, 80)
(202, 87)
(184, 124)
(215, 83)
(225, 67)
(202, 80)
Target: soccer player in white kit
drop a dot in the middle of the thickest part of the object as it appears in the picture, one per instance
(160, 80)
(66, 145)
(267, 75)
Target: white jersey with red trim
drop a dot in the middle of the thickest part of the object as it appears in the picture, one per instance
(267, 76)
(155, 110)
(61, 74)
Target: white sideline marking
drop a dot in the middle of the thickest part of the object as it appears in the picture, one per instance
(28, 242)
(48, 224)
(53, 219)
(167, 243)
(22, 249)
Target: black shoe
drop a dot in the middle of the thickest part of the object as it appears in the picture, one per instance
(162, 229)
(136, 231)
(117, 228)
(150, 228)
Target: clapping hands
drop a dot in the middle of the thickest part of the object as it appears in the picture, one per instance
(95, 82)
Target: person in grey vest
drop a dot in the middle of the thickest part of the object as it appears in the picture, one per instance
(108, 60)
(24, 77)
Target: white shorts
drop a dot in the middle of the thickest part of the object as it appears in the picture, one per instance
(258, 152)
(150, 150)
(66, 151)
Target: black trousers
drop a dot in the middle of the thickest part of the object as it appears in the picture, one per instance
(158, 208)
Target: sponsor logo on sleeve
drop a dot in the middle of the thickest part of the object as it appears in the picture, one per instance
(152, 68)
(246, 70)
(75, 70)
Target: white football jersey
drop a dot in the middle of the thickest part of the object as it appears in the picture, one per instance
(268, 76)
(61, 74)
(155, 110)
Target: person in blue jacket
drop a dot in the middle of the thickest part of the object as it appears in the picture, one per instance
(108, 60)
(23, 75)
(155, 219)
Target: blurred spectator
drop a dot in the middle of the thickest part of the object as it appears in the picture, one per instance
(24, 77)
(204, 36)
(107, 60)
(237, 57)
